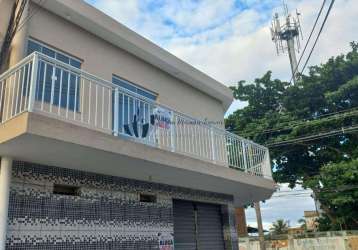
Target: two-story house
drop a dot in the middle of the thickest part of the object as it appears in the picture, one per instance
(108, 141)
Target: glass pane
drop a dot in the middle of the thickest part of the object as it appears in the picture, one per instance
(123, 84)
(32, 47)
(62, 58)
(75, 63)
(48, 52)
(146, 94)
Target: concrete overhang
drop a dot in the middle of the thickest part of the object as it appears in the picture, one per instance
(40, 139)
(105, 27)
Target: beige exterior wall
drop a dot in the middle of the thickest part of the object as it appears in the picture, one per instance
(103, 59)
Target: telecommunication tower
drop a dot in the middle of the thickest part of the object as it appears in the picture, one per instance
(287, 37)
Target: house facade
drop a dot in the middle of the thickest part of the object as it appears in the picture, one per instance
(108, 141)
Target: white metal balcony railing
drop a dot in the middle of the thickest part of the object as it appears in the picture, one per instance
(45, 85)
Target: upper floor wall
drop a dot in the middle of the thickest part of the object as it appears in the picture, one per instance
(103, 59)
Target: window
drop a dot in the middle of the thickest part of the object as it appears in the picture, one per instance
(136, 89)
(65, 83)
(147, 198)
(129, 106)
(39, 47)
(66, 190)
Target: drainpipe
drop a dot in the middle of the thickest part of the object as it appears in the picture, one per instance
(5, 180)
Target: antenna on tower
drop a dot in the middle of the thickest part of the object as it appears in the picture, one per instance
(287, 37)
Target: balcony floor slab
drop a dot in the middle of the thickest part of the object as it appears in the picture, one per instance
(48, 141)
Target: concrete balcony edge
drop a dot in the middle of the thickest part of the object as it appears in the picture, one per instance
(45, 140)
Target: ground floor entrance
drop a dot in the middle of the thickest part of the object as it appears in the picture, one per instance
(197, 226)
(52, 208)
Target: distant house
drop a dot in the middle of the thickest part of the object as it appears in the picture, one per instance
(311, 220)
(295, 230)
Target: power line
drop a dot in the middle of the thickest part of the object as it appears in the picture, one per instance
(319, 34)
(298, 122)
(34, 12)
(344, 130)
(17, 26)
(308, 40)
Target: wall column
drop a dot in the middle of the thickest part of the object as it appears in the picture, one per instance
(5, 180)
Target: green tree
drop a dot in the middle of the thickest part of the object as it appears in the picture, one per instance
(337, 190)
(279, 227)
(324, 100)
(303, 223)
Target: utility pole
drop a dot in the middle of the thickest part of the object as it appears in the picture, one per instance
(286, 37)
(259, 226)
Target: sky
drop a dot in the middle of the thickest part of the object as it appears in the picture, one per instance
(230, 41)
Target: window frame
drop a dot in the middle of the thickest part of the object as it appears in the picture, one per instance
(57, 51)
(137, 87)
(72, 61)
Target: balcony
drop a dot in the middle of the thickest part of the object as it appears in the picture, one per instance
(45, 86)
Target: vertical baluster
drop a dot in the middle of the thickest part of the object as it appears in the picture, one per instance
(173, 132)
(7, 96)
(43, 87)
(52, 87)
(82, 100)
(205, 137)
(33, 82)
(244, 155)
(184, 135)
(121, 129)
(221, 144)
(237, 152)
(116, 111)
(60, 93)
(16, 91)
(7, 93)
(68, 93)
(14, 95)
(102, 107)
(22, 87)
(75, 103)
(122, 125)
(28, 84)
(109, 115)
(128, 111)
(2, 84)
(212, 140)
(89, 101)
(233, 160)
(207, 140)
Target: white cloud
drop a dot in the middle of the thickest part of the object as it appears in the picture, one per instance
(248, 52)
(229, 43)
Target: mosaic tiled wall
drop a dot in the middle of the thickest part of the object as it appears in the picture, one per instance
(107, 213)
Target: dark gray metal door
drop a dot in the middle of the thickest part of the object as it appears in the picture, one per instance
(197, 226)
(184, 225)
(210, 227)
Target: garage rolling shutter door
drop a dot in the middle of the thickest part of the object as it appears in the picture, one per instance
(197, 226)
(184, 226)
(210, 229)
